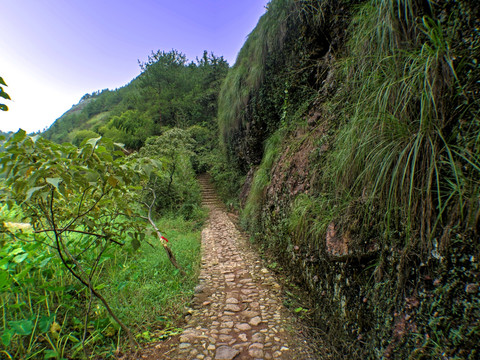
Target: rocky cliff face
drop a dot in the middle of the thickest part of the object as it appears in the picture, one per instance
(359, 135)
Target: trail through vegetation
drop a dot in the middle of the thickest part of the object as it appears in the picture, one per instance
(345, 138)
(237, 312)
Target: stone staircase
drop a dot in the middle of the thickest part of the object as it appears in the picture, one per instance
(209, 195)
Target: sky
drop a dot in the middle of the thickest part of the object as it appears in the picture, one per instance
(52, 52)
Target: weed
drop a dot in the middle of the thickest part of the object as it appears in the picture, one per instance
(42, 306)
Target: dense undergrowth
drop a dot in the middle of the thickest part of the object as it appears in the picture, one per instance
(82, 271)
(363, 177)
(43, 306)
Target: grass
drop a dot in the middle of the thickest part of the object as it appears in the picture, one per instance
(393, 143)
(98, 119)
(250, 217)
(248, 72)
(42, 307)
(147, 290)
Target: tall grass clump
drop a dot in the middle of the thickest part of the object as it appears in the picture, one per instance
(246, 76)
(251, 214)
(398, 143)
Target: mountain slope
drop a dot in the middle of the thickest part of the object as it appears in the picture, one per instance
(355, 125)
(169, 92)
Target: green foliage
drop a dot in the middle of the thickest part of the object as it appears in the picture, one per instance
(3, 95)
(176, 188)
(245, 78)
(44, 306)
(81, 135)
(273, 81)
(79, 197)
(205, 143)
(144, 290)
(251, 214)
(81, 206)
(182, 93)
(135, 127)
(409, 166)
(170, 92)
(63, 187)
(227, 178)
(384, 209)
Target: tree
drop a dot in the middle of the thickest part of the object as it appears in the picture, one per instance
(161, 70)
(176, 188)
(83, 199)
(173, 147)
(136, 127)
(81, 135)
(4, 95)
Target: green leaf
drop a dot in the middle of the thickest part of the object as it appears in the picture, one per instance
(19, 135)
(3, 107)
(23, 273)
(45, 322)
(4, 95)
(17, 251)
(56, 288)
(44, 262)
(7, 335)
(92, 177)
(54, 181)
(17, 306)
(20, 258)
(31, 191)
(4, 280)
(113, 181)
(22, 327)
(122, 285)
(135, 244)
(94, 141)
(50, 354)
(100, 287)
(2, 81)
(101, 149)
(73, 339)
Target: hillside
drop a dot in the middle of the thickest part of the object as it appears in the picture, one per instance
(355, 127)
(170, 92)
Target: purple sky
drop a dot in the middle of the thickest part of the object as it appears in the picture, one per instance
(54, 51)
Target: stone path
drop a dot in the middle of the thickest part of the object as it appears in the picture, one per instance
(237, 310)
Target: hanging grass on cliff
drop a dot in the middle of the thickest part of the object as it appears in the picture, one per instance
(374, 201)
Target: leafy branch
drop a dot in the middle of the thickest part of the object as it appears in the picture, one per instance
(78, 197)
(4, 95)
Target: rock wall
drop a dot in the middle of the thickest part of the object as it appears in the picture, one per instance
(391, 265)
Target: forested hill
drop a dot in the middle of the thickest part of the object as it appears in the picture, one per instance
(170, 92)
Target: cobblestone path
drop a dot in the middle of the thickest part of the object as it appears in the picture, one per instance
(237, 310)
